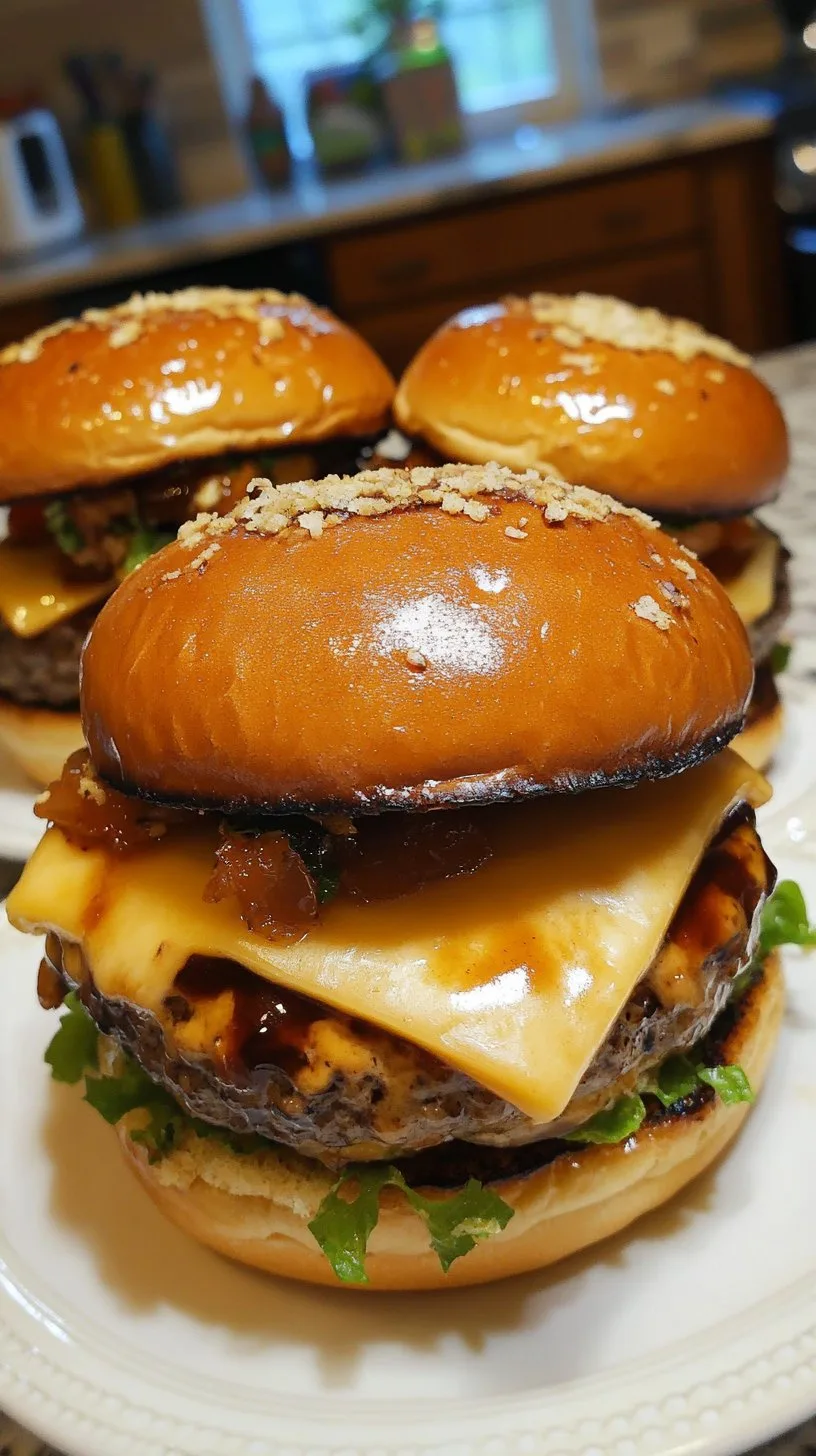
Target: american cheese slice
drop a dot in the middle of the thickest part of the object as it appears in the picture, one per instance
(752, 592)
(33, 595)
(513, 974)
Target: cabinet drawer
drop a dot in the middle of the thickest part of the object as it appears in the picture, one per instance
(673, 280)
(413, 260)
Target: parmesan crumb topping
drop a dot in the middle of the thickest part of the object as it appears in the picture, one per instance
(515, 534)
(651, 611)
(126, 322)
(674, 595)
(312, 506)
(573, 319)
(684, 566)
(90, 788)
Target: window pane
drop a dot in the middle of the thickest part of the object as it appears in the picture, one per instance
(503, 50)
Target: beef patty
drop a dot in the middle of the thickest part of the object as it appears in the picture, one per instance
(248, 1056)
(43, 671)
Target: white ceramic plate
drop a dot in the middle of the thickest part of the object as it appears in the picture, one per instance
(19, 830)
(696, 1331)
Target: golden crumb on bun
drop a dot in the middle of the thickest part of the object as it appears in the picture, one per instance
(475, 635)
(166, 377)
(651, 409)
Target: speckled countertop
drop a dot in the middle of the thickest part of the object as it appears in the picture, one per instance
(793, 375)
(532, 157)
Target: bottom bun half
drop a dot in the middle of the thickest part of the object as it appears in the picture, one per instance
(256, 1210)
(39, 739)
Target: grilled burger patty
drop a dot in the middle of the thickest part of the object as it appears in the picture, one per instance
(44, 670)
(258, 1059)
(97, 528)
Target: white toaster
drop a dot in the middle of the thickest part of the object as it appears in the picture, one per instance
(38, 198)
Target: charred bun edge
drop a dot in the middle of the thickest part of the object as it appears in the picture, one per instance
(577, 1198)
(478, 790)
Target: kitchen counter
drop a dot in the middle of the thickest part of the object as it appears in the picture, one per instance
(530, 159)
(792, 373)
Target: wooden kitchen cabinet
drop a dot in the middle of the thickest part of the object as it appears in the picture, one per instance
(697, 237)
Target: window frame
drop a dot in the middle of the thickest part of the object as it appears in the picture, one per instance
(574, 28)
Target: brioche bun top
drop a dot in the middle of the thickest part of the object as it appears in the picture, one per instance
(651, 409)
(167, 377)
(408, 639)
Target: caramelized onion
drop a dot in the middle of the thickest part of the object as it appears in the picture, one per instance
(393, 856)
(275, 893)
(89, 812)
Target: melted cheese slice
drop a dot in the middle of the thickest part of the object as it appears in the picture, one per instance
(33, 595)
(513, 974)
(752, 592)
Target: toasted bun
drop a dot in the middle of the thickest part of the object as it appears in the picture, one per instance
(38, 739)
(650, 409)
(260, 1217)
(168, 377)
(410, 639)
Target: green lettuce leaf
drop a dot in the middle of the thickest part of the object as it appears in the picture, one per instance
(614, 1124)
(784, 920)
(344, 1224)
(144, 543)
(67, 536)
(671, 1082)
(730, 1083)
(73, 1047)
(780, 656)
(679, 1076)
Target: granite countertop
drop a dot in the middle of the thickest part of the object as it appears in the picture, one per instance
(529, 159)
(792, 373)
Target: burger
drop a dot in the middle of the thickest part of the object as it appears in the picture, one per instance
(407, 903)
(649, 409)
(122, 424)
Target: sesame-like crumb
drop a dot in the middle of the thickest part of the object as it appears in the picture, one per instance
(687, 551)
(417, 660)
(172, 575)
(575, 318)
(651, 611)
(313, 522)
(43, 797)
(572, 338)
(206, 555)
(684, 566)
(30, 348)
(655, 556)
(673, 594)
(455, 489)
(577, 361)
(515, 534)
(716, 376)
(665, 386)
(90, 788)
(126, 322)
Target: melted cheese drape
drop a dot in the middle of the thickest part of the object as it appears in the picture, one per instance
(514, 974)
(33, 595)
(752, 592)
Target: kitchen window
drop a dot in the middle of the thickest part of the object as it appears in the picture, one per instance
(516, 60)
